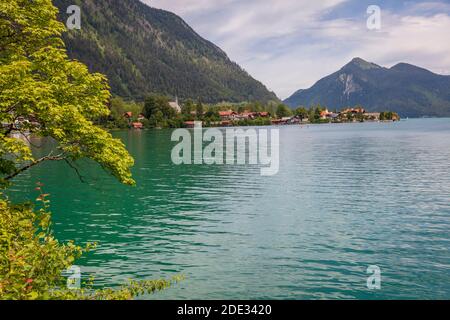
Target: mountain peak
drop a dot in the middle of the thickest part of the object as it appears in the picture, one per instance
(362, 64)
(409, 90)
(406, 67)
(358, 60)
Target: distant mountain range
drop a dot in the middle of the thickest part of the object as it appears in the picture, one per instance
(406, 89)
(144, 50)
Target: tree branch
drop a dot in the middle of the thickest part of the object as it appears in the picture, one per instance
(76, 171)
(29, 141)
(9, 129)
(34, 163)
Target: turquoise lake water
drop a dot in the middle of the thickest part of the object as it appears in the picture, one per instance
(346, 197)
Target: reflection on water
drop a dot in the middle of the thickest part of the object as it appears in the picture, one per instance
(346, 197)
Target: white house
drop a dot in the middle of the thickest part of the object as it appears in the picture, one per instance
(175, 105)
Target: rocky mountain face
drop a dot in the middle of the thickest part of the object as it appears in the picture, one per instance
(406, 89)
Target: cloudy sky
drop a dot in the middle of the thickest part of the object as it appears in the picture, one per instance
(290, 44)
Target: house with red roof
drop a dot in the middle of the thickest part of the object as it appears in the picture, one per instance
(128, 115)
(189, 124)
(227, 115)
(137, 125)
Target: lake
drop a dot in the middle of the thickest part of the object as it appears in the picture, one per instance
(347, 196)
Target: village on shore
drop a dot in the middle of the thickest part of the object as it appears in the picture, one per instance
(175, 115)
(160, 112)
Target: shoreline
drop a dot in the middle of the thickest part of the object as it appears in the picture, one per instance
(262, 126)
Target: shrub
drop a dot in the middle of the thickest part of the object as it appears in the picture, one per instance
(32, 260)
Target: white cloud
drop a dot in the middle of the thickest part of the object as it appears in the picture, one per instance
(290, 44)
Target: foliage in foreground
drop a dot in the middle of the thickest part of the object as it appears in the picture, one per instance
(58, 97)
(32, 261)
(43, 93)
